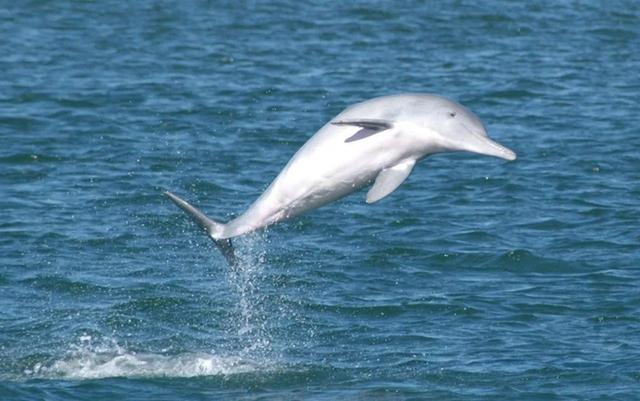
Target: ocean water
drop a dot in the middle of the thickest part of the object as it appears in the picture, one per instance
(479, 279)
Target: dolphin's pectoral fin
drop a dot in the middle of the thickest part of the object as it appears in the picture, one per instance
(389, 179)
(369, 127)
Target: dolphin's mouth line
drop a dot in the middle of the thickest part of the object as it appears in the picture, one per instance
(472, 132)
(508, 153)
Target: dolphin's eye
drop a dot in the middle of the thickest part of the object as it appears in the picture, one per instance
(452, 114)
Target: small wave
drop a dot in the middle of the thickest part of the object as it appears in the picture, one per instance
(89, 361)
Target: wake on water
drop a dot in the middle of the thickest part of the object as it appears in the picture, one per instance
(94, 358)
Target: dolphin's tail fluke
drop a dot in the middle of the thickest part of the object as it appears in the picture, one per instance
(213, 228)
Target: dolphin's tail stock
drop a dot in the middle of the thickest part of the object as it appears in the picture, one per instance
(213, 228)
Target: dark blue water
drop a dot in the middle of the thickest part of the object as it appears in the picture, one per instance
(478, 279)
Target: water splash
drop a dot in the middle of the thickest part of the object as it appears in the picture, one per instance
(92, 356)
(248, 282)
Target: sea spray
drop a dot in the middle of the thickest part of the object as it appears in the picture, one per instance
(247, 279)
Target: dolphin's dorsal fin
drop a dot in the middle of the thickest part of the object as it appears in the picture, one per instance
(389, 179)
(369, 127)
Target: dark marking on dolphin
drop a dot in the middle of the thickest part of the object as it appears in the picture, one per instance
(369, 127)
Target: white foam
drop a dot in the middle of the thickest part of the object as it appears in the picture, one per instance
(148, 365)
(103, 361)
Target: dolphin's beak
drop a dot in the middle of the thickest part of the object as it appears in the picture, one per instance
(487, 146)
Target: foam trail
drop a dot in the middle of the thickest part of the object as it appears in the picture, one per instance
(96, 366)
(88, 361)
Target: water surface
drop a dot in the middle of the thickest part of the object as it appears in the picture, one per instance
(478, 279)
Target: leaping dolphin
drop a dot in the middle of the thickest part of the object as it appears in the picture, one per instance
(378, 140)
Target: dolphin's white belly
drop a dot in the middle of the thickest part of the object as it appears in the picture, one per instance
(326, 168)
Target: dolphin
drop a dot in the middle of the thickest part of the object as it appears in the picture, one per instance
(379, 140)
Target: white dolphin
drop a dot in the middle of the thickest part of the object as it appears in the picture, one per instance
(380, 139)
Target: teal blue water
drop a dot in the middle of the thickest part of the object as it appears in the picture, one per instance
(479, 279)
